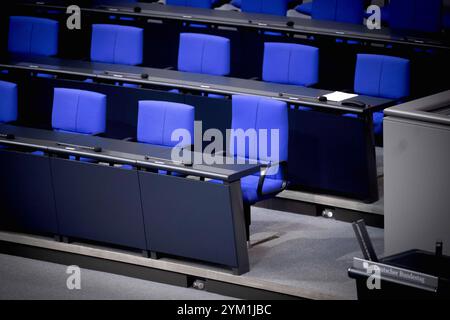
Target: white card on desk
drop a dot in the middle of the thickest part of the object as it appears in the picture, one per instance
(339, 96)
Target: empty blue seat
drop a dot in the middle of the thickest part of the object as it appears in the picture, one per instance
(8, 101)
(202, 53)
(259, 113)
(382, 76)
(117, 44)
(290, 63)
(30, 35)
(79, 111)
(417, 15)
(349, 11)
(157, 120)
(276, 7)
(192, 3)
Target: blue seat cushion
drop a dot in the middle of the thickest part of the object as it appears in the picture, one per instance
(202, 53)
(117, 44)
(79, 111)
(290, 63)
(31, 35)
(417, 15)
(304, 8)
(8, 101)
(157, 120)
(382, 76)
(275, 7)
(348, 11)
(259, 113)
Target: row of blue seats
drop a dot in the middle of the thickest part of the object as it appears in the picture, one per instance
(419, 15)
(84, 112)
(416, 15)
(285, 63)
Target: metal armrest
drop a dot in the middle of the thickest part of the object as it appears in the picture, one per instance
(254, 78)
(130, 139)
(169, 68)
(262, 177)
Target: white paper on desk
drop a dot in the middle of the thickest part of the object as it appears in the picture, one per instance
(339, 96)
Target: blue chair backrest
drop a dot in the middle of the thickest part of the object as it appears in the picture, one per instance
(31, 35)
(276, 7)
(157, 120)
(202, 53)
(418, 15)
(253, 112)
(8, 101)
(382, 76)
(349, 11)
(191, 3)
(79, 111)
(117, 44)
(290, 63)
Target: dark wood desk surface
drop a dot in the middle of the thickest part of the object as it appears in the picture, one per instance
(119, 151)
(191, 81)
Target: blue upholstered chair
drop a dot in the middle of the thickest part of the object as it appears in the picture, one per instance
(276, 7)
(117, 44)
(30, 35)
(158, 119)
(8, 102)
(382, 76)
(202, 53)
(79, 111)
(417, 15)
(252, 112)
(349, 11)
(290, 63)
(192, 3)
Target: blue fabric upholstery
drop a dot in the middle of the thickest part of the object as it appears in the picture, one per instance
(305, 8)
(201, 53)
(276, 7)
(236, 3)
(251, 112)
(30, 35)
(191, 3)
(8, 101)
(382, 76)
(349, 11)
(158, 119)
(290, 63)
(79, 111)
(418, 15)
(117, 44)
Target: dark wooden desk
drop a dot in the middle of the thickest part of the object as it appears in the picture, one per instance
(74, 191)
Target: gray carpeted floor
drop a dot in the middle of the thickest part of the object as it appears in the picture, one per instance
(313, 253)
(310, 253)
(22, 278)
